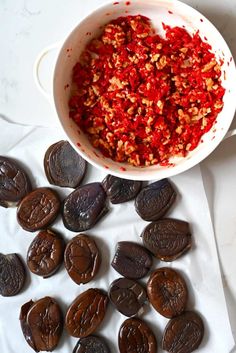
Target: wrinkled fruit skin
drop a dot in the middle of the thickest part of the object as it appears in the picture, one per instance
(91, 344)
(183, 334)
(86, 312)
(82, 259)
(63, 165)
(167, 239)
(38, 209)
(84, 207)
(135, 336)
(14, 182)
(45, 253)
(12, 274)
(127, 296)
(120, 190)
(131, 260)
(154, 200)
(42, 324)
(167, 292)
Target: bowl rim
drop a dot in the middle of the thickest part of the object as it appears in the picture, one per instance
(165, 172)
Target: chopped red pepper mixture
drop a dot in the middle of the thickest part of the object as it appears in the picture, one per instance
(142, 98)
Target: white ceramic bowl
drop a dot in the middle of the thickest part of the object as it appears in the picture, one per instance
(174, 13)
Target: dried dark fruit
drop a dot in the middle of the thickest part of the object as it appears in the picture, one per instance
(12, 274)
(131, 260)
(135, 336)
(14, 182)
(38, 209)
(167, 292)
(127, 296)
(82, 259)
(42, 324)
(45, 253)
(154, 200)
(91, 344)
(86, 312)
(63, 165)
(84, 207)
(167, 239)
(183, 334)
(120, 190)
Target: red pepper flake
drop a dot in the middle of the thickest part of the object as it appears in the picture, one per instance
(66, 86)
(123, 169)
(83, 150)
(88, 33)
(78, 144)
(205, 38)
(126, 11)
(201, 19)
(228, 63)
(96, 154)
(142, 98)
(127, 3)
(107, 14)
(116, 3)
(105, 166)
(213, 137)
(170, 12)
(78, 131)
(231, 59)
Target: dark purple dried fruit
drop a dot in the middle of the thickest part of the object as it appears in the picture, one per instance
(12, 274)
(14, 182)
(135, 336)
(131, 260)
(84, 207)
(167, 292)
(120, 190)
(82, 259)
(63, 165)
(154, 200)
(45, 253)
(127, 296)
(42, 324)
(167, 239)
(38, 209)
(91, 344)
(86, 312)
(183, 334)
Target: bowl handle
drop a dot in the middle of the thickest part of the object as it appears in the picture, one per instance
(36, 69)
(230, 133)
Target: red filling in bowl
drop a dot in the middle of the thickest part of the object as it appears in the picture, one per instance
(142, 98)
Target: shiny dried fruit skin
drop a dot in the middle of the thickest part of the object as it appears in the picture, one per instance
(84, 207)
(183, 334)
(135, 336)
(120, 190)
(42, 324)
(131, 260)
(154, 200)
(45, 253)
(127, 296)
(91, 344)
(14, 182)
(167, 292)
(12, 274)
(38, 209)
(86, 312)
(82, 259)
(63, 165)
(167, 239)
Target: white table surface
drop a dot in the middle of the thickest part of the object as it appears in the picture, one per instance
(27, 26)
